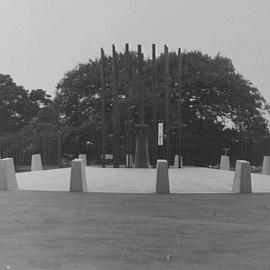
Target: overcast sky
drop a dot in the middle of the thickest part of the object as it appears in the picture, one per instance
(42, 39)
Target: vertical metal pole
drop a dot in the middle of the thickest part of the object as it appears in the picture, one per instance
(142, 130)
(59, 140)
(103, 100)
(179, 106)
(167, 105)
(128, 116)
(128, 151)
(155, 105)
(116, 132)
(140, 70)
(128, 63)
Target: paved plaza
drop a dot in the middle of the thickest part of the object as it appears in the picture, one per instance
(186, 180)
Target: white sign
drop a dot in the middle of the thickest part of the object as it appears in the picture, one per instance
(108, 156)
(160, 133)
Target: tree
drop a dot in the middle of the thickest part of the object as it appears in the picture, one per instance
(214, 96)
(218, 97)
(17, 105)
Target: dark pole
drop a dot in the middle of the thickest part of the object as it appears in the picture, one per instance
(128, 63)
(155, 118)
(167, 105)
(116, 133)
(128, 73)
(103, 146)
(59, 140)
(179, 105)
(140, 70)
(142, 130)
(128, 116)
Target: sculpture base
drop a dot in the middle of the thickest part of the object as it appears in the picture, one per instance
(141, 152)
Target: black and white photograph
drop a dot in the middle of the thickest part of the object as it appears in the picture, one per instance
(134, 134)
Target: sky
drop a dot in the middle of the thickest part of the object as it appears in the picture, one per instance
(40, 40)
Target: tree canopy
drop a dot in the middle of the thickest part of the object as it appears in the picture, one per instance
(214, 97)
(213, 94)
(17, 105)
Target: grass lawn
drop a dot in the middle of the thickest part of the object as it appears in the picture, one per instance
(61, 230)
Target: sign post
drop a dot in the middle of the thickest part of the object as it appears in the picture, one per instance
(160, 133)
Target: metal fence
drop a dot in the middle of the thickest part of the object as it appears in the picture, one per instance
(204, 149)
(21, 148)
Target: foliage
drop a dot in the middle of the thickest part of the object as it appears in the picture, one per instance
(17, 105)
(213, 96)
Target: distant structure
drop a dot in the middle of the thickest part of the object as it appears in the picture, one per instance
(161, 136)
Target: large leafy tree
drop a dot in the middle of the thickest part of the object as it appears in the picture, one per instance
(213, 97)
(218, 97)
(17, 105)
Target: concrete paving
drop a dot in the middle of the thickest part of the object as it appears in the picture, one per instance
(122, 180)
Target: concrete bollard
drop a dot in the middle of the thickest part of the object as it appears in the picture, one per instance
(129, 161)
(225, 163)
(176, 161)
(162, 181)
(8, 179)
(266, 165)
(242, 177)
(84, 158)
(36, 164)
(77, 178)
